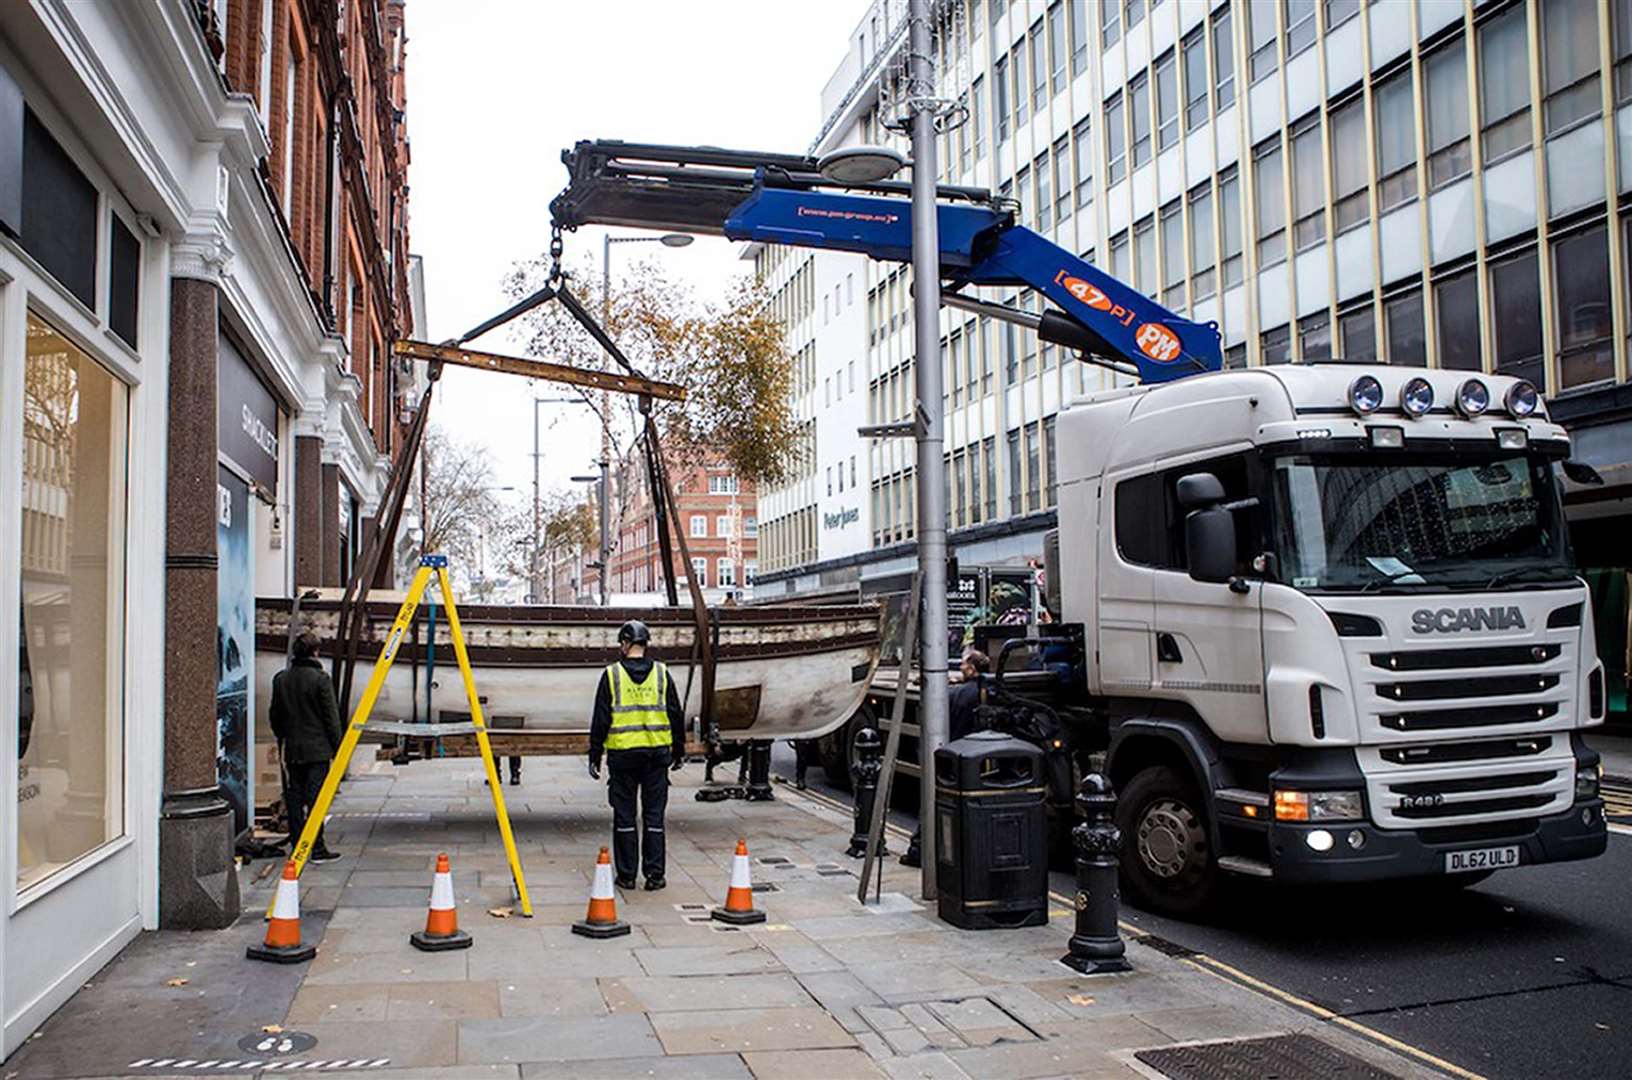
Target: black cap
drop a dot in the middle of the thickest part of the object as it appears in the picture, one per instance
(634, 632)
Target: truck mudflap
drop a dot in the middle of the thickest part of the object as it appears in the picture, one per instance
(1360, 851)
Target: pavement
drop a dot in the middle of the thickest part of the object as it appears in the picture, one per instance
(1616, 751)
(825, 987)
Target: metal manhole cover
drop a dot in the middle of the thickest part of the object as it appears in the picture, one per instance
(772, 860)
(277, 1042)
(1281, 1057)
(767, 886)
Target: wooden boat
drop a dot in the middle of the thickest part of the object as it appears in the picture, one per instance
(795, 671)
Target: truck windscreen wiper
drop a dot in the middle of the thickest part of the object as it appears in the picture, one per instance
(1551, 573)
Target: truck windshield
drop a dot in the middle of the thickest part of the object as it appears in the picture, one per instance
(1353, 522)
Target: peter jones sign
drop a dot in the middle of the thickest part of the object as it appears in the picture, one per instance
(842, 518)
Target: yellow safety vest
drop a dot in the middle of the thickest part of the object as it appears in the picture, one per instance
(640, 714)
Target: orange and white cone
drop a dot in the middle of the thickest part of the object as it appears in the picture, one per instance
(282, 945)
(442, 923)
(602, 920)
(739, 898)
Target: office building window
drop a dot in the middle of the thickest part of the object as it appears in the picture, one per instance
(1357, 335)
(1082, 136)
(977, 109)
(1000, 99)
(1504, 84)
(1308, 185)
(1028, 340)
(722, 526)
(699, 524)
(1569, 34)
(1275, 346)
(1056, 46)
(1144, 256)
(1270, 202)
(727, 571)
(1396, 142)
(1202, 255)
(1010, 353)
(1133, 12)
(1581, 298)
(1446, 73)
(1051, 457)
(1119, 256)
(1167, 101)
(1033, 470)
(1620, 14)
(1235, 357)
(1022, 188)
(1349, 195)
(829, 474)
(1015, 493)
(1315, 338)
(852, 470)
(1402, 324)
(1116, 140)
(1172, 223)
(959, 505)
(1039, 67)
(1079, 36)
(1139, 117)
(1515, 305)
(1223, 62)
(1018, 89)
(1042, 192)
(1195, 79)
(1261, 37)
(1111, 23)
(699, 571)
(1339, 12)
(70, 546)
(1229, 216)
(1300, 25)
(750, 529)
(1062, 178)
(1456, 314)
(988, 458)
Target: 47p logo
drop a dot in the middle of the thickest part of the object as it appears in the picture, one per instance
(1153, 339)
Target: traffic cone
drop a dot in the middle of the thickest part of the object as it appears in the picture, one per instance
(282, 945)
(602, 920)
(739, 898)
(442, 924)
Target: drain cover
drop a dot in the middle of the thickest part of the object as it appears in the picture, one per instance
(767, 886)
(1293, 1057)
(771, 860)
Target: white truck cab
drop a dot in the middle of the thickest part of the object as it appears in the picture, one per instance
(1330, 614)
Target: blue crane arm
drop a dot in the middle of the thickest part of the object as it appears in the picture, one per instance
(981, 246)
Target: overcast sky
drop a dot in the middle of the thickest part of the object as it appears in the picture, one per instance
(498, 88)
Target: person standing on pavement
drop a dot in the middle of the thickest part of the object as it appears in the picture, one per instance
(962, 705)
(305, 719)
(639, 724)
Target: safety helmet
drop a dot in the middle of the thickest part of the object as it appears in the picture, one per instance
(634, 632)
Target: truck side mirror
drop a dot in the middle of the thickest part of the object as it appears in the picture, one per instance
(1199, 490)
(1209, 544)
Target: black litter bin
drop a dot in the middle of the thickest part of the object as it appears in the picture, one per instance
(991, 819)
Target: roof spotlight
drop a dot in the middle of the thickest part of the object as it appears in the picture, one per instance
(1522, 399)
(1472, 398)
(1417, 397)
(1366, 395)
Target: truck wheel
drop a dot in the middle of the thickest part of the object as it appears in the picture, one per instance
(835, 749)
(1168, 865)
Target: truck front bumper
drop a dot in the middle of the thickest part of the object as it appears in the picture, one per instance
(1577, 833)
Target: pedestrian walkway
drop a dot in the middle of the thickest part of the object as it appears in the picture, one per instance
(824, 988)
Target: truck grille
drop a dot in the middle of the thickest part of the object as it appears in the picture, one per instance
(1482, 750)
(1443, 659)
(1475, 806)
(1494, 686)
(1488, 716)
(1472, 783)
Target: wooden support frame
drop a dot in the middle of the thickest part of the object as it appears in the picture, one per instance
(540, 369)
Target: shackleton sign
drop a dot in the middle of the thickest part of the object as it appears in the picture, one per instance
(247, 419)
(1454, 620)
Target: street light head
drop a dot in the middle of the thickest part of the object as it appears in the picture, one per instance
(585, 479)
(676, 240)
(861, 164)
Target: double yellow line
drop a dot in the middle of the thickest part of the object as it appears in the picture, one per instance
(1220, 970)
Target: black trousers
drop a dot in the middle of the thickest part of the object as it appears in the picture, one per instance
(643, 772)
(304, 780)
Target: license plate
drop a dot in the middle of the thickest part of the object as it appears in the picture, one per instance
(1494, 858)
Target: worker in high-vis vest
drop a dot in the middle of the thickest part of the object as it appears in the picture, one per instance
(638, 722)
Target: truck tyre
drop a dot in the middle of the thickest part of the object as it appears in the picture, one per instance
(1168, 865)
(836, 749)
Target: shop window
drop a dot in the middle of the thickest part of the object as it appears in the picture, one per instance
(1569, 34)
(1456, 313)
(1402, 323)
(70, 761)
(124, 280)
(1581, 296)
(1504, 84)
(1396, 142)
(59, 212)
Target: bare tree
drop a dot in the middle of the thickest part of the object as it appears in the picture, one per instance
(459, 498)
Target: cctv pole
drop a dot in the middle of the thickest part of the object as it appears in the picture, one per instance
(926, 279)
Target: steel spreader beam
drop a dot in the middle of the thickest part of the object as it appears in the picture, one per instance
(540, 369)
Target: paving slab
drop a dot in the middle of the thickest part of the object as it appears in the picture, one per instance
(741, 956)
(551, 997)
(539, 1038)
(655, 994)
(809, 1064)
(408, 1043)
(469, 1000)
(742, 1030)
(691, 1067)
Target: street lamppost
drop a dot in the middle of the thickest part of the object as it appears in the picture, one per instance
(599, 479)
(670, 240)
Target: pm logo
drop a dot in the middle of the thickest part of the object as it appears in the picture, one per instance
(1157, 342)
(1455, 620)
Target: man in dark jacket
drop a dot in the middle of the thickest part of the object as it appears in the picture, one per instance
(640, 725)
(962, 702)
(305, 719)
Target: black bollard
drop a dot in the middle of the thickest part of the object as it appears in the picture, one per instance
(1096, 947)
(759, 772)
(864, 774)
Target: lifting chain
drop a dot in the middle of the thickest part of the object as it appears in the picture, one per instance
(556, 273)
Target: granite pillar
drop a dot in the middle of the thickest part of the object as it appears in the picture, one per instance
(308, 502)
(198, 886)
(330, 517)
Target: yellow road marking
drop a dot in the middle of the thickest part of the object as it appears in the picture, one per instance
(1220, 970)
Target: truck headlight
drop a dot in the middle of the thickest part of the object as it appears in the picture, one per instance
(1318, 805)
(1586, 782)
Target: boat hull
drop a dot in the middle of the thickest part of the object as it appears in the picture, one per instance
(782, 672)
